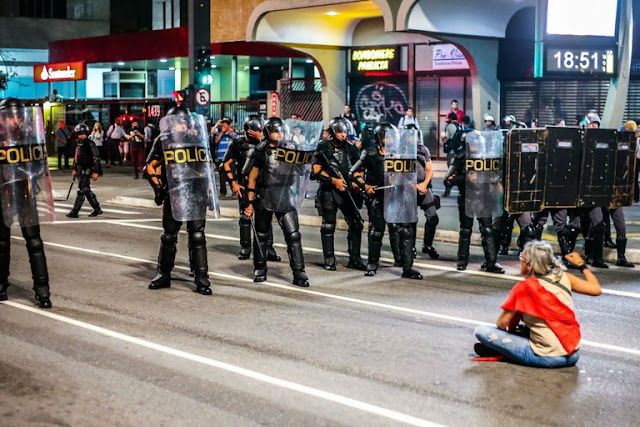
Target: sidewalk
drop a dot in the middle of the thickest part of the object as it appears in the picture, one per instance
(117, 187)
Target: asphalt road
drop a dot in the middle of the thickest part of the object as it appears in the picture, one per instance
(349, 350)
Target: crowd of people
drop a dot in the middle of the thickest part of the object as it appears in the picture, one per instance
(267, 167)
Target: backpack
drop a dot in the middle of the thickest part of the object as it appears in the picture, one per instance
(455, 144)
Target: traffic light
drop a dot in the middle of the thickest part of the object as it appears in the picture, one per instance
(202, 70)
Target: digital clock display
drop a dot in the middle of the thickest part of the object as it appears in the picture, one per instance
(580, 61)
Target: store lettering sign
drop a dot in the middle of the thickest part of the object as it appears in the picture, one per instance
(448, 57)
(61, 72)
(382, 59)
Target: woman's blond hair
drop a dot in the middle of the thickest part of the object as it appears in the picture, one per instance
(541, 260)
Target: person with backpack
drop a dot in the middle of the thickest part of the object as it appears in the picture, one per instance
(114, 134)
(453, 146)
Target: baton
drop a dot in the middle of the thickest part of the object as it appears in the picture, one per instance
(340, 176)
(255, 235)
(382, 188)
(70, 187)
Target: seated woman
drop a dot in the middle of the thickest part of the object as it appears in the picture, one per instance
(551, 338)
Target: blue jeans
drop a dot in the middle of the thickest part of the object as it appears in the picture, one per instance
(517, 349)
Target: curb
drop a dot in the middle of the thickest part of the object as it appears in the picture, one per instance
(444, 236)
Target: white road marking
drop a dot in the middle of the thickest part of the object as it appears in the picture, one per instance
(258, 376)
(388, 260)
(328, 295)
(87, 209)
(121, 221)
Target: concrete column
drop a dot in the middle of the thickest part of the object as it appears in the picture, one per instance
(234, 78)
(482, 55)
(333, 65)
(619, 86)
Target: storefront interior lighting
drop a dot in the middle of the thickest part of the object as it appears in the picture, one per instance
(212, 57)
(332, 13)
(214, 66)
(246, 67)
(163, 60)
(256, 68)
(309, 61)
(172, 68)
(120, 62)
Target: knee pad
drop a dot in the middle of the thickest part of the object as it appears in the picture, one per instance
(356, 227)
(328, 228)
(376, 236)
(465, 233)
(598, 228)
(169, 239)
(295, 236)
(244, 220)
(262, 236)
(289, 222)
(197, 238)
(35, 244)
(486, 231)
(433, 220)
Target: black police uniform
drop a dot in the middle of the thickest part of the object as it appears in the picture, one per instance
(86, 163)
(428, 203)
(31, 234)
(371, 165)
(336, 158)
(171, 227)
(266, 163)
(242, 152)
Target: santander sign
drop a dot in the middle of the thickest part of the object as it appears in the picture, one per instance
(61, 72)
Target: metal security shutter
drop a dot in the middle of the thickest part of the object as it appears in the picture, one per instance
(547, 100)
(427, 111)
(632, 112)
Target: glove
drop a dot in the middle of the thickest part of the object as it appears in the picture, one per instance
(160, 195)
(94, 176)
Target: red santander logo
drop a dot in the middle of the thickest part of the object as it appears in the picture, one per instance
(61, 72)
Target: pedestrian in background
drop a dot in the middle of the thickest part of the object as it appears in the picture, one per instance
(114, 134)
(135, 139)
(97, 136)
(62, 139)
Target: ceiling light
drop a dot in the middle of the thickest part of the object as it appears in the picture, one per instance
(246, 67)
(214, 66)
(172, 68)
(309, 61)
(332, 13)
(163, 60)
(256, 68)
(120, 63)
(212, 57)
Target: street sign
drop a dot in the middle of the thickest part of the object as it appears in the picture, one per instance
(203, 97)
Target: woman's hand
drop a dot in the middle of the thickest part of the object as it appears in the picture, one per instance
(575, 259)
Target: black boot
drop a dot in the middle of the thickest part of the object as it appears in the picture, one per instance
(42, 296)
(198, 243)
(429, 235)
(394, 241)
(77, 205)
(38, 261)
(490, 247)
(166, 260)
(3, 291)
(598, 247)
(621, 246)
(538, 229)
(375, 246)
(272, 255)
(300, 279)
(93, 201)
(259, 259)
(407, 243)
(326, 236)
(464, 242)
(355, 260)
(245, 237)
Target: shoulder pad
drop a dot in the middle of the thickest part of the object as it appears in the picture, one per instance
(371, 151)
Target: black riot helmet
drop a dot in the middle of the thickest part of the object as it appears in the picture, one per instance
(413, 130)
(274, 124)
(339, 125)
(254, 123)
(81, 129)
(10, 107)
(380, 132)
(179, 110)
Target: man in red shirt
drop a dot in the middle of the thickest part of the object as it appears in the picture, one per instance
(457, 111)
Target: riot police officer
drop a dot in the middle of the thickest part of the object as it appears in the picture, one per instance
(86, 167)
(334, 158)
(477, 198)
(273, 183)
(185, 190)
(20, 205)
(369, 174)
(238, 162)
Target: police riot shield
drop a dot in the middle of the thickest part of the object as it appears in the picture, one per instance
(483, 177)
(564, 154)
(524, 170)
(25, 183)
(289, 178)
(400, 177)
(624, 177)
(598, 166)
(189, 168)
